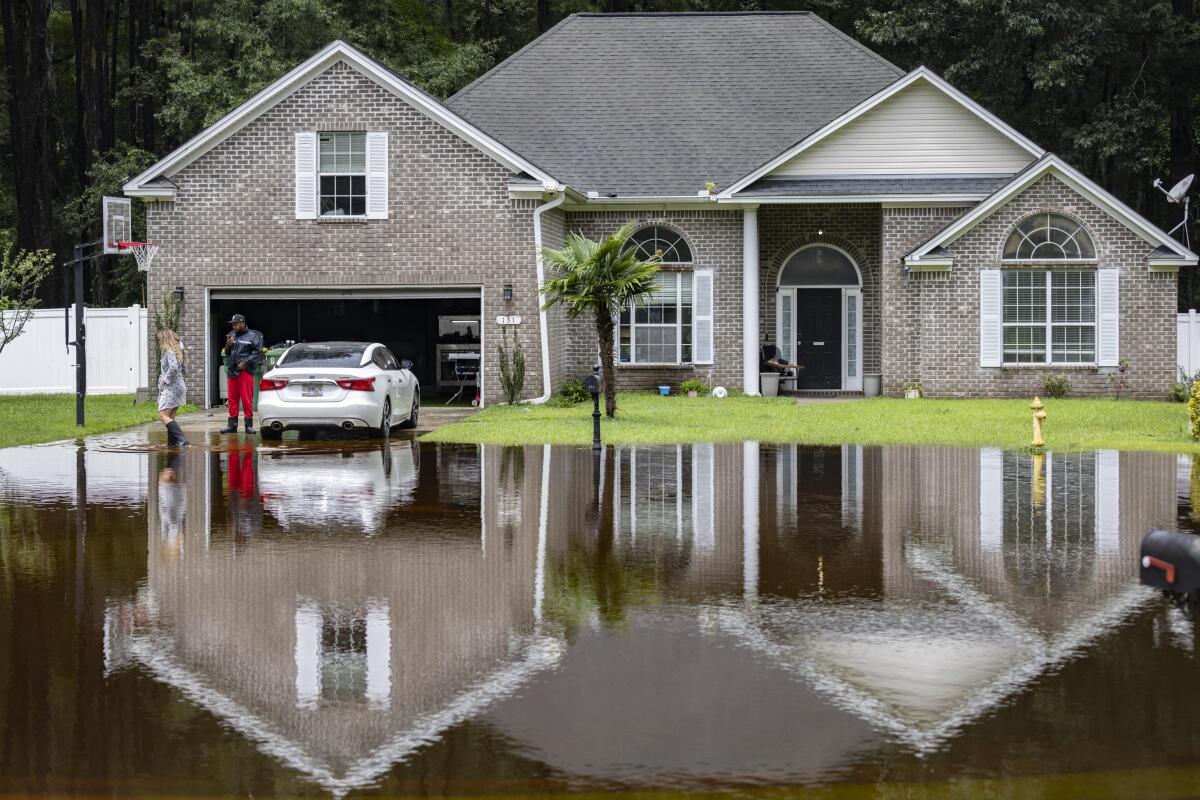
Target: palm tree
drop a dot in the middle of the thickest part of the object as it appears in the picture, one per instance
(599, 278)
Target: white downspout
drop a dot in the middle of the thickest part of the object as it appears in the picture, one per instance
(543, 320)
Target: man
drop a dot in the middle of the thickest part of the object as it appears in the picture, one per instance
(243, 354)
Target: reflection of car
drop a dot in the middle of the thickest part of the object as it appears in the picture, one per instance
(338, 385)
(353, 488)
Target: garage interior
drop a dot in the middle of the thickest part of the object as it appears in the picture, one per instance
(439, 333)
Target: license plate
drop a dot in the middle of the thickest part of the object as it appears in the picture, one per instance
(312, 390)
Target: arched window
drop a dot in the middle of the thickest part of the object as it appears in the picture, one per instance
(668, 245)
(1049, 237)
(818, 266)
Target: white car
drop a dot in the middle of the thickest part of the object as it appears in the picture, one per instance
(338, 385)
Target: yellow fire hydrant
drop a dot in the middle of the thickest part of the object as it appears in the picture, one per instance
(1039, 414)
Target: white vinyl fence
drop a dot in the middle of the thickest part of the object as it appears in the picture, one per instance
(39, 362)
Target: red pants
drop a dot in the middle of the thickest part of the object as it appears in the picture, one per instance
(241, 390)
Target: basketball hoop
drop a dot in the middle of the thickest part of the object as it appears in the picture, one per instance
(144, 252)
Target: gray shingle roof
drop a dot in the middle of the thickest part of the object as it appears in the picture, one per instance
(979, 185)
(660, 104)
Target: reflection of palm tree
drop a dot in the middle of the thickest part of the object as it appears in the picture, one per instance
(595, 580)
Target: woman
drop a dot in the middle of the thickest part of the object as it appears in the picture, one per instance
(171, 388)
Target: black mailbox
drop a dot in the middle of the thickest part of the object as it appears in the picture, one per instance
(1171, 561)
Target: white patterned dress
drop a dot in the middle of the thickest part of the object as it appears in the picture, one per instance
(172, 391)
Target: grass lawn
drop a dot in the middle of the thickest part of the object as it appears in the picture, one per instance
(646, 418)
(30, 419)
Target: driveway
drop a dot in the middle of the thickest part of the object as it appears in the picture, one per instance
(204, 425)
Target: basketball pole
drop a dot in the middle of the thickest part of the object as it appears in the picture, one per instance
(80, 342)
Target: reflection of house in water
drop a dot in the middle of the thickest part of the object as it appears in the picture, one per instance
(782, 605)
(337, 653)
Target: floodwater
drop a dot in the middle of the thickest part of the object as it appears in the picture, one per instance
(329, 619)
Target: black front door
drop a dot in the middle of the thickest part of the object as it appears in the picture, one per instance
(819, 338)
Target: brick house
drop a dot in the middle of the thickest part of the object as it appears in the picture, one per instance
(878, 227)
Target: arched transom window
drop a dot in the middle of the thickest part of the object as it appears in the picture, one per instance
(1049, 237)
(655, 240)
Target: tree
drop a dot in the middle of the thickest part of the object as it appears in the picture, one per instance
(599, 278)
(21, 272)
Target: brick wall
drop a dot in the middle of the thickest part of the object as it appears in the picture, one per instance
(450, 220)
(716, 240)
(933, 319)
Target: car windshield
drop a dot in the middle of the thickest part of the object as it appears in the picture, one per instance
(323, 355)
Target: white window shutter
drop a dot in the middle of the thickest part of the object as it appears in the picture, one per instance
(991, 325)
(306, 175)
(702, 316)
(1108, 317)
(377, 175)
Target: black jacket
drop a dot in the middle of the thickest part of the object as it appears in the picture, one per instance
(246, 346)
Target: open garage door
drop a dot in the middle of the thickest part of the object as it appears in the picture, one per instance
(438, 329)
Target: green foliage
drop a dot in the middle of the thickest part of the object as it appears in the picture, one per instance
(1119, 381)
(512, 367)
(1056, 385)
(1193, 408)
(21, 273)
(573, 391)
(1181, 390)
(167, 314)
(693, 385)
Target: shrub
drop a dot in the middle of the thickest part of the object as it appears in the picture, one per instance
(1194, 412)
(1181, 390)
(1054, 386)
(1119, 380)
(573, 391)
(693, 385)
(512, 367)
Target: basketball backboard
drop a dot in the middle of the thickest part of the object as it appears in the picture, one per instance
(118, 222)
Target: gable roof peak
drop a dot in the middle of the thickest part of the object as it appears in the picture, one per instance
(300, 75)
(1051, 164)
(921, 73)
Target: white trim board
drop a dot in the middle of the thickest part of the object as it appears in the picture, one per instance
(1050, 164)
(276, 92)
(918, 74)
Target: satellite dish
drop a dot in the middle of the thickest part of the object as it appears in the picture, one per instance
(1180, 189)
(1179, 194)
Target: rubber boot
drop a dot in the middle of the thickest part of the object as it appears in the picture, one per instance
(231, 427)
(249, 424)
(175, 437)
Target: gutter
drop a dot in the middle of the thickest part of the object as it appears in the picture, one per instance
(543, 319)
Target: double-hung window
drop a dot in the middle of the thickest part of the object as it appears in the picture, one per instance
(1049, 313)
(658, 329)
(1049, 316)
(343, 174)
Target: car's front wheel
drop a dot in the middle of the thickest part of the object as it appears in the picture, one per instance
(385, 421)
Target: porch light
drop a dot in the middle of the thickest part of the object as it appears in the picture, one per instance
(508, 292)
(178, 294)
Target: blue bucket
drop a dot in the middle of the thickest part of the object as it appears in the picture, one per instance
(664, 390)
